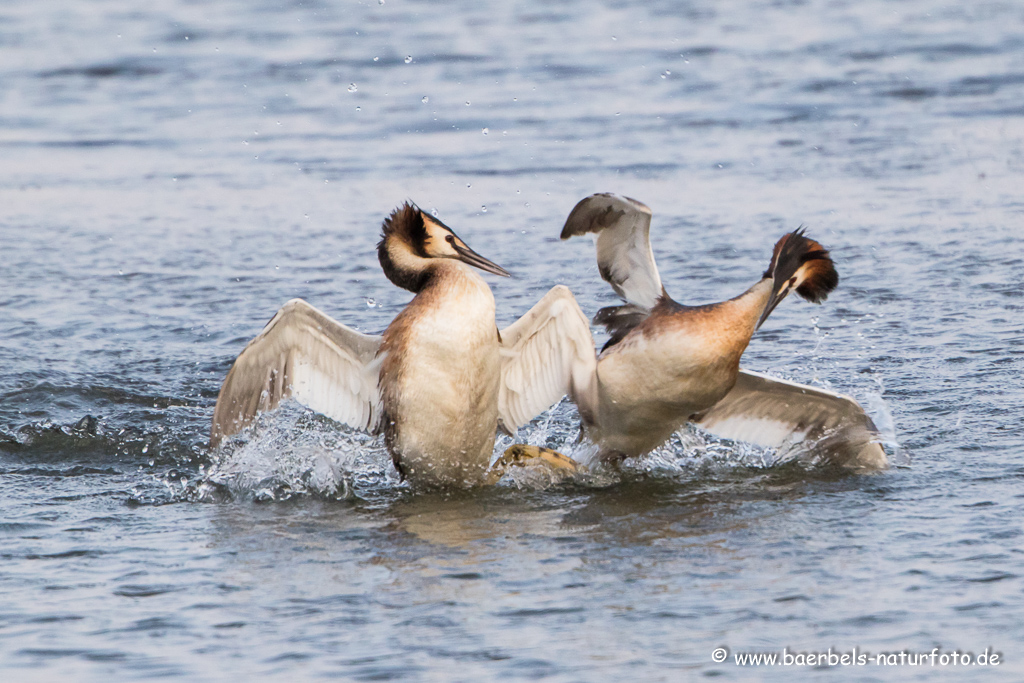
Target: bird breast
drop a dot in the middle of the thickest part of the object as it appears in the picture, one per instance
(657, 377)
(439, 382)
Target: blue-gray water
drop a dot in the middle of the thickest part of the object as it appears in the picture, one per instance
(171, 173)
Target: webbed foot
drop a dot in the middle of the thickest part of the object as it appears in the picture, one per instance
(521, 455)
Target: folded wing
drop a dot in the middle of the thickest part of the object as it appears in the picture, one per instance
(302, 353)
(546, 354)
(772, 413)
(624, 255)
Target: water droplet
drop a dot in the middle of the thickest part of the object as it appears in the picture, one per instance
(467, 103)
(433, 212)
(468, 185)
(408, 59)
(425, 99)
(666, 74)
(483, 209)
(376, 58)
(614, 38)
(145, 449)
(485, 131)
(380, 2)
(359, 108)
(370, 303)
(352, 87)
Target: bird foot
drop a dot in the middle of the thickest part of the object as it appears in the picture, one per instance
(523, 455)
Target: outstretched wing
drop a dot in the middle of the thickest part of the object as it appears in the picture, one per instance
(624, 255)
(772, 412)
(304, 354)
(546, 354)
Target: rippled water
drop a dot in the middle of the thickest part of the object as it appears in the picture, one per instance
(170, 173)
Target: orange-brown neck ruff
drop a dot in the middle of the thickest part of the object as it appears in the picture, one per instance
(798, 256)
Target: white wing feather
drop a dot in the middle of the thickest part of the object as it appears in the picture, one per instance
(546, 354)
(624, 256)
(771, 412)
(305, 354)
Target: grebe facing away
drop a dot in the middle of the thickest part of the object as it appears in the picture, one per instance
(667, 364)
(438, 382)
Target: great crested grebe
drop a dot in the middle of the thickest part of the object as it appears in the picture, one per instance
(438, 382)
(667, 364)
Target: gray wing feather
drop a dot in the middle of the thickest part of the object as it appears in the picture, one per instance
(772, 412)
(302, 353)
(624, 256)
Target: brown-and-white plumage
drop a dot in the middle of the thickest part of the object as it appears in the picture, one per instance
(439, 379)
(667, 364)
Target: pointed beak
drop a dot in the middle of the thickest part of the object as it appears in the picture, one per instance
(777, 297)
(467, 255)
(772, 303)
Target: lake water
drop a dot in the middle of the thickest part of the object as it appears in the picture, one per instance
(171, 173)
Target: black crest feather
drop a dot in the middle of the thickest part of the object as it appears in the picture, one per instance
(795, 251)
(403, 229)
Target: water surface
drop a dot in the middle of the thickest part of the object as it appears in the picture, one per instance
(171, 173)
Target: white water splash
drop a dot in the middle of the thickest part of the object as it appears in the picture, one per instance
(294, 451)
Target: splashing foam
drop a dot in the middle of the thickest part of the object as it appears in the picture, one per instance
(881, 415)
(293, 451)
